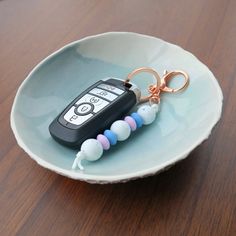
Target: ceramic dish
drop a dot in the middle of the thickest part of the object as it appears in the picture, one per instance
(185, 120)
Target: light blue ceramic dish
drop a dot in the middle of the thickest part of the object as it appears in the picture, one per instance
(185, 120)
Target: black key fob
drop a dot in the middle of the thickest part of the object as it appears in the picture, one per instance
(93, 111)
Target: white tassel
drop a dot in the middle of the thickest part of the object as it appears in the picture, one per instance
(77, 162)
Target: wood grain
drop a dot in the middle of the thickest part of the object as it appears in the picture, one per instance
(195, 197)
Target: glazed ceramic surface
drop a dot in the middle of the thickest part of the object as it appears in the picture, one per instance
(184, 121)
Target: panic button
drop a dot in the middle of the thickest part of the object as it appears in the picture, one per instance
(104, 94)
(111, 88)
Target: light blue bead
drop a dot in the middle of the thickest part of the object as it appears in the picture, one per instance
(111, 136)
(138, 119)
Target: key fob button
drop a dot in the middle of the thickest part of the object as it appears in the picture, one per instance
(103, 93)
(111, 88)
(98, 103)
(94, 100)
(76, 119)
(88, 98)
(84, 109)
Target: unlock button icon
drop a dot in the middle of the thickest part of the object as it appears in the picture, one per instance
(84, 109)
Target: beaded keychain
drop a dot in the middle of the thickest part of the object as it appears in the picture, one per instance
(120, 130)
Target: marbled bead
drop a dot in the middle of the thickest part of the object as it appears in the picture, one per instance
(155, 107)
(130, 120)
(92, 149)
(121, 129)
(147, 113)
(138, 119)
(104, 141)
(111, 136)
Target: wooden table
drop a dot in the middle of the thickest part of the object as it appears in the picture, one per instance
(195, 197)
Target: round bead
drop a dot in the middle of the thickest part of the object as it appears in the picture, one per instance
(104, 141)
(111, 136)
(121, 129)
(155, 107)
(92, 149)
(131, 122)
(138, 119)
(147, 113)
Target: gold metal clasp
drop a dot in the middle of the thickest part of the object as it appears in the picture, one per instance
(170, 75)
(161, 83)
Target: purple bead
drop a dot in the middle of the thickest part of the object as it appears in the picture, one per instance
(131, 122)
(104, 141)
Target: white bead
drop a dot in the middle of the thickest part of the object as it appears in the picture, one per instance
(92, 149)
(121, 129)
(155, 107)
(147, 113)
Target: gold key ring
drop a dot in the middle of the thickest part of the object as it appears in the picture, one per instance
(161, 83)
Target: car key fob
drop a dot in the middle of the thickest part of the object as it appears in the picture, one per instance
(93, 111)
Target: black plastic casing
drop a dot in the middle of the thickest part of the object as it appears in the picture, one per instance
(73, 135)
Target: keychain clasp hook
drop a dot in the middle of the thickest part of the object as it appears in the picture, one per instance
(161, 83)
(170, 75)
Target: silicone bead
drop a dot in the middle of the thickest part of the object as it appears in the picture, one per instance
(92, 149)
(104, 141)
(138, 119)
(121, 129)
(111, 136)
(155, 107)
(130, 120)
(147, 113)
